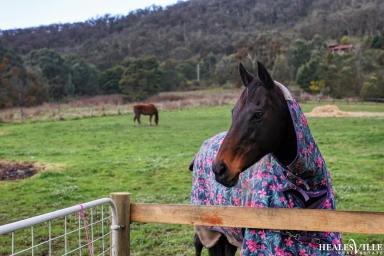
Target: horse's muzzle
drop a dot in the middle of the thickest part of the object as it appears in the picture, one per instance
(222, 175)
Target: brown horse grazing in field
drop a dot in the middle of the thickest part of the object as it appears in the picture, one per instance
(147, 110)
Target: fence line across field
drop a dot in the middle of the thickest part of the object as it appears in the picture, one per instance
(124, 213)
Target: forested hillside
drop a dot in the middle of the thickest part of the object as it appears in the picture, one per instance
(196, 28)
(168, 43)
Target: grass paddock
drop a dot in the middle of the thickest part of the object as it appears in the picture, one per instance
(92, 157)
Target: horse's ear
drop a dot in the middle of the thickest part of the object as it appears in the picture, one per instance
(246, 77)
(264, 76)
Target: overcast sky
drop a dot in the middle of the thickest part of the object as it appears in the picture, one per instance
(30, 13)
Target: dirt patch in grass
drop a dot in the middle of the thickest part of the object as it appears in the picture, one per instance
(334, 111)
(12, 170)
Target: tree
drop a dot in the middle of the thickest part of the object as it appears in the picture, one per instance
(53, 69)
(309, 72)
(18, 86)
(171, 78)
(378, 42)
(12, 73)
(109, 79)
(373, 88)
(226, 70)
(141, 79)
(84, 76)
(187, 69)
(280, 70)
(36, 92)
(340, 76)
(207, 66)
(298, 54)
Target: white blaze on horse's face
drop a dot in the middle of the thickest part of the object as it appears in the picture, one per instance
(257, 128)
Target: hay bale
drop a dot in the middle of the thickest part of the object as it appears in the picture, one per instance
(334, 111)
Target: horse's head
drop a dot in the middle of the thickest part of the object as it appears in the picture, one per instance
(261, 124)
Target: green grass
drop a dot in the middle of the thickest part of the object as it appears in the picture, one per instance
(93, 157)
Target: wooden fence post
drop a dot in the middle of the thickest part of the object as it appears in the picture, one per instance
(123, 203)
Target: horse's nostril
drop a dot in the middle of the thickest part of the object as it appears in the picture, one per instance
(223, 169)
(220, 169)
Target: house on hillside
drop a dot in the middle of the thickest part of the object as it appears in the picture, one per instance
(340, 48)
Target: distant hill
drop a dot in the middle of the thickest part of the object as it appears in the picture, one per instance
(196, 28)
(198, 43)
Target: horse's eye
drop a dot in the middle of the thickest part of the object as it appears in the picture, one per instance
(258, 115)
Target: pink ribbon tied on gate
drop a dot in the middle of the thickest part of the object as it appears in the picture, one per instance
(84, 218)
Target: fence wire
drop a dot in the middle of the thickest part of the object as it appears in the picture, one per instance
(85, 233)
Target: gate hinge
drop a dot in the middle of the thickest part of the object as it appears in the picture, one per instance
(117, 227)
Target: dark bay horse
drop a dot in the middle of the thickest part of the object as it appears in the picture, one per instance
(270, 138)
(147, 110)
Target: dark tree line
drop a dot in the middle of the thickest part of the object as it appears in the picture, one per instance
(44, 75)
(156, 49)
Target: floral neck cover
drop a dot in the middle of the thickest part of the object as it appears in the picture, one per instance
(305, 183)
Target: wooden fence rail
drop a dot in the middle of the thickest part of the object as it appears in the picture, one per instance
(263, 218)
